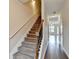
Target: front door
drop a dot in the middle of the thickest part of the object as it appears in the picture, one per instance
(55, 30)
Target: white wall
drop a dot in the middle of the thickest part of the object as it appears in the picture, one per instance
(19, 15)
(65, 19)
(45, 29)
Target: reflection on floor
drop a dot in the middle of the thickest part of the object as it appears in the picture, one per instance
(54, 51)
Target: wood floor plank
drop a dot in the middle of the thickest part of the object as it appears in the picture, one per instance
(55, 52)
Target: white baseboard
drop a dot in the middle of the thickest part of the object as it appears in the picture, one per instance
(65, 52)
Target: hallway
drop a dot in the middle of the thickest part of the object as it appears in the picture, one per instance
(54, 51)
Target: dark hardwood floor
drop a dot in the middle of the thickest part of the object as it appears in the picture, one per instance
(54, 51)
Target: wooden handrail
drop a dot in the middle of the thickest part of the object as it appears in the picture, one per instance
(36, 55)
(17, 31)
(40, 27)
(20, 28)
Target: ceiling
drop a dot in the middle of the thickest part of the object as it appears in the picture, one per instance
(52, 6)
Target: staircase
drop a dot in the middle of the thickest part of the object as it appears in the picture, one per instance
(31, 44)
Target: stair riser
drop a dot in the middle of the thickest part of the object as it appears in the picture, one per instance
(22, 56)
(26, 49)
(31, 36)
(29, 46)
(30, 40)
(32, 32)
(34, 29)
(29, 43)
(28, 53)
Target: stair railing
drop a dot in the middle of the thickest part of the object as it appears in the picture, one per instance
(39, 34)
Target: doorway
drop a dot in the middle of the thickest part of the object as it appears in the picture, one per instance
(55, 30)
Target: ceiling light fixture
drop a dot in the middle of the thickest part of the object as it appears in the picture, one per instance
(33, 2)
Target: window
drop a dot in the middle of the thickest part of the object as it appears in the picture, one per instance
(51, 28)
(57, 29)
